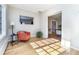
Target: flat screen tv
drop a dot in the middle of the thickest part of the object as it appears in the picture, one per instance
(26, 20)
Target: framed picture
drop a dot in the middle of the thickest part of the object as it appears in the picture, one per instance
(26, 20)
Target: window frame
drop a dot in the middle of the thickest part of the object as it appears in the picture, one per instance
(1, 19)
(3, 34)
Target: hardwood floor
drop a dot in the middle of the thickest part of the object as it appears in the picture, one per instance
(53, 35)
(21, 48)
(24, 48)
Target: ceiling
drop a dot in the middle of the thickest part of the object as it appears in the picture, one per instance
(34, 7)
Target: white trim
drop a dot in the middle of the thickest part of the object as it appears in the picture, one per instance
(4, 19)
(74, 48)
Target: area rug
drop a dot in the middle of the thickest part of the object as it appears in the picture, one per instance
(47, 47)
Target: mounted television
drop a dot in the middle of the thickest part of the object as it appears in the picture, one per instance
(26, 20)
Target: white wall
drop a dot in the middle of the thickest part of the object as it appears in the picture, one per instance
(70, 24)
(14, 14)
(66, 23)
(73, 19)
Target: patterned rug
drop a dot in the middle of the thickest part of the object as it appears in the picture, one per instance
(48, 47)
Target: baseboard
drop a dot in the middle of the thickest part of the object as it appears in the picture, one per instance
(6, 48)
(75, 48)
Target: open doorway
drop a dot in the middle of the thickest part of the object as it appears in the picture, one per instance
(54, 26)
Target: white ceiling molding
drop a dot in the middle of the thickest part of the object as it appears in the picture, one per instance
(34, 7)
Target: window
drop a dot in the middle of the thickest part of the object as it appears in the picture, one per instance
(0, 19)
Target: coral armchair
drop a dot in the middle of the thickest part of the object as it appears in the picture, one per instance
(23, 36)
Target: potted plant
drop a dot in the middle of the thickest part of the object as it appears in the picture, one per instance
(39, 34)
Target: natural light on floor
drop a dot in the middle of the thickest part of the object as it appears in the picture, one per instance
(48, 47)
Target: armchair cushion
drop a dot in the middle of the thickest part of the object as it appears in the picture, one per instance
(23, 36)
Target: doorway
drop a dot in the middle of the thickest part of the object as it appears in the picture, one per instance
(54, 26)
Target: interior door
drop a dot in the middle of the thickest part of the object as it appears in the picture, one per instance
(54, 26)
